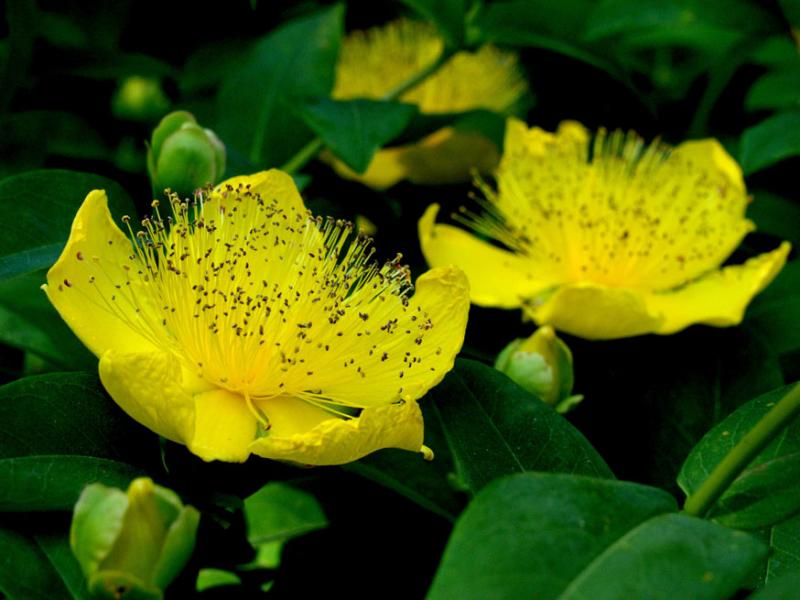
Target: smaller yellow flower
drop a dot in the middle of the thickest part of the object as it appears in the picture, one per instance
(608, 238)
(241, 324)
(372, 63)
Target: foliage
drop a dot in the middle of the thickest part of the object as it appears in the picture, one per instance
(520, 500)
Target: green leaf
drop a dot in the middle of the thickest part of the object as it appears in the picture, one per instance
(551, 25)
(428, 483)
(56, 548)
(448, 15)
(25, 572)
(38, 209)
(770, 142)
(355, 129)
(535, 533)
(69, 414)
(28, 321)
(776, 215)
(784, 558)
(293, 64)
(279, 512)
(781, 589)
(496, 428)
(670, 556)
(768, 490)
(776, 311)
(773, 91)
(37, 483)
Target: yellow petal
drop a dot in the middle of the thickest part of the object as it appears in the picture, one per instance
(594, 312)
(335, 441)
(720, 298)
(270, 185)
(79, 284)
(446, 156)
(401, 357)
(151, 388)
(224, 427)
(710, 154)
(497, 277)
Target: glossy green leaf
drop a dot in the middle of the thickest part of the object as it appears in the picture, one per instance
(38, 209)
(355, 129)
(776, 215)
(294, 63)
(670, 556)
(781, 589)
(784, 542)
(496, 428)
(56, 548)
(448, 15)
(28, 321)
(771, 141)
(776, 311)
(37, 483)
(279, 512)
(538, 532)
(69, 414)
(768, 490)
(25, 572)
(774, 91)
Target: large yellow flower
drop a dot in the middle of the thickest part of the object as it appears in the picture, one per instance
(372, 63)
(610, 238)
(240, 324)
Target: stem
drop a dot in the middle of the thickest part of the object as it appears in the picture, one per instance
(315, 146)
(742, 454)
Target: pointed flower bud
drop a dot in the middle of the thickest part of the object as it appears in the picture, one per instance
(184, 156)
(132, 545)
(139, 99)
(541, 364)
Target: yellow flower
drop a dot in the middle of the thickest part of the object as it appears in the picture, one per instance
(372, 63)
(240, 324)
(608, 239)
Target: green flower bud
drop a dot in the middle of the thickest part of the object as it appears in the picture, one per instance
(132, 545)
(541, 364)
(183, 156)
(139, 99)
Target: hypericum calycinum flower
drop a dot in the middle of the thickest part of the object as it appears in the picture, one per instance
(134, 544)
(608, 239)
(372, 63)
(241, 324)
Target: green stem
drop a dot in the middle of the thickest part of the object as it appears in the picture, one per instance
(315, 146)
(742, 454)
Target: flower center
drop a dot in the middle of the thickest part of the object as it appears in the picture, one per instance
(257, 297)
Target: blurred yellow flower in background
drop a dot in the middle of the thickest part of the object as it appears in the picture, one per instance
(374, 62)
(608, 238)
(241, 324)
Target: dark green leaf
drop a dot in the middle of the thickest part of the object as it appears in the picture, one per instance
(768, 490)
(776, 311)
(428, 483)
(773, 91)
(355, 129)
(775, 215)
(278, 512)
(770, 142)
(56, 547)
(670, 556)
(35, 483)
(784, 541)
(28, 321)
(448, 15)
(69, 414)
(496, 428)
(294, 63)
(535, 533)
(37, 211)
(781, 589)
(25, 572)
